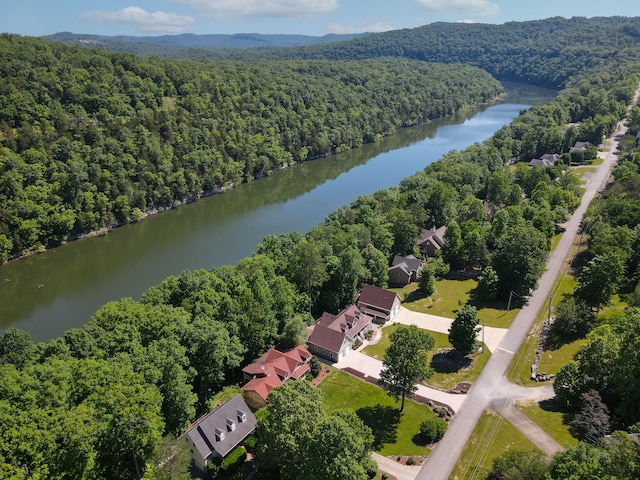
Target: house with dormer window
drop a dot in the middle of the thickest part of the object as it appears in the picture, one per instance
(214, 435)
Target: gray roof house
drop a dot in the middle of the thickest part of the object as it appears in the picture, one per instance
(332, 336)
(579, 146)
(546, 160)
(431, 240)
(404, 270)
(217, 433)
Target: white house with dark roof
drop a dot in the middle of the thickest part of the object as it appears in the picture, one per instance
(379, 303)
(332, 336)
(217, 433)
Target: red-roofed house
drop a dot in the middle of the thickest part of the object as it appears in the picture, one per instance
(271, 370)
(382, 305)
(332, 336)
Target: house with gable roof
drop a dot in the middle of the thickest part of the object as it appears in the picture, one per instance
(546, 160)
(271, 370)
(404, 270)
(379, 303)
(332, 336)
(216, 434)
(432, 240)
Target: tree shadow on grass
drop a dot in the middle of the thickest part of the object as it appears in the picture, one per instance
(383, 422)
(450, 361)
(551, 405)
(415, 295)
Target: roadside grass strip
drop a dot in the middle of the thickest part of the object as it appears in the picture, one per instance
(492, 436)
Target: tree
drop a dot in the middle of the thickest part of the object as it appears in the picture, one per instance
(433, 429)
(592, 422)
(293, 410)
(488, 282)
(464, 329)
(427, 280)
(520, 260)
(16, 347)
(339, 448)
(599, 279)
(518, 465)
(573, 317)
(406, 362)
(294, 332)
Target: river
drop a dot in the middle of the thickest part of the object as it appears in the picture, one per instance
(61, 288)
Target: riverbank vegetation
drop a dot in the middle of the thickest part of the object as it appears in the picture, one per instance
(93, 139)
(96, 402)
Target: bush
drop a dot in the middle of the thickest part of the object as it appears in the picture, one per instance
(234, 459)
(433, 429)
(315, 366)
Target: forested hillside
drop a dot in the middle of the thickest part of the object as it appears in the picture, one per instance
(96, 402)
(89, 139)
(545, 52)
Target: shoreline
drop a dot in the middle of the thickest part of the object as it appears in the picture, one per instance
(221, 189)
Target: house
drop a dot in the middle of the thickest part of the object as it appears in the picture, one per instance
(432, 240)
(271, 370)
(404, 270)
(332, 336)
(379, 303)
(546, 160)
(579, 146)
(217, 433)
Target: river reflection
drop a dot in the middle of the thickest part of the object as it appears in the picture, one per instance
(51, 292)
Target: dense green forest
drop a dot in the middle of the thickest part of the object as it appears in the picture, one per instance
(96, 402)
(89, 139)
(551, 52)
(547, 52)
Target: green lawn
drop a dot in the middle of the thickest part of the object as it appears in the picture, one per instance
(440, 379)
(491, 437)
(547, 416)
(449, 296)
(395, 432)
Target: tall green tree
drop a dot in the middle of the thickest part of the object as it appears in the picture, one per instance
(339, 448)
(406, 362)
(284, 433)
(464, 330)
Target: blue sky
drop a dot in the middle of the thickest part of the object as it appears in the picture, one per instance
(309, 17)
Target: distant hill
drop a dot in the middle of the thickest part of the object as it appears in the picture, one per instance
(179, 45)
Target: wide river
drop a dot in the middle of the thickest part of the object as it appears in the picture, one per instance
(51, 292)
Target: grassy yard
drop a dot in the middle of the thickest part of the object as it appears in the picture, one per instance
(395, 432)
(492, 436)
(440, 379)
(550, 419)
(449, 296)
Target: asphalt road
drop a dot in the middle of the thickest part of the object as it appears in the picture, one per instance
(492, 389)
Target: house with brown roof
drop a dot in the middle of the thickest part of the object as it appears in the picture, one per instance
(381, 304)
(217, 433)
(432, 240)
(271, 370)
(332, 336)
(404, 270)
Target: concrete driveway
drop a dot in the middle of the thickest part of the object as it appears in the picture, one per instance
(371, 368)
(492, 336)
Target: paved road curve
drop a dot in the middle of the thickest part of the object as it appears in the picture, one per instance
(491, 388)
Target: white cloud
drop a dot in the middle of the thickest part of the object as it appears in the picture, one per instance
(475, 8)
(143, 20)
(372, 25)
(229, 9)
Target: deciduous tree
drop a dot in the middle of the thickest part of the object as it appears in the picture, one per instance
(406, 362)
